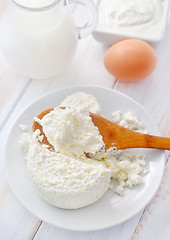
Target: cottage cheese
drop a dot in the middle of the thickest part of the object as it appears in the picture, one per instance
(127, 169)
(67, 177)
(128, 120)
(63, 181)
(71, 132)
(82, 101)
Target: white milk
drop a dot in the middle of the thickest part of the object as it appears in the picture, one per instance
(38, 44)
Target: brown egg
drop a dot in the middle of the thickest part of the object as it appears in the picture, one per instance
(130, 60)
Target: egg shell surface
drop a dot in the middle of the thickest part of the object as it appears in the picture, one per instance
(130, 60)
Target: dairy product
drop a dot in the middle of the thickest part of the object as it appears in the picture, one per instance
(136, 17)
(127, 169)
(71, 132)
(42, 42)
(128, 120)
(68, 177)
(82, 101)
(64, 181)
(23, 127)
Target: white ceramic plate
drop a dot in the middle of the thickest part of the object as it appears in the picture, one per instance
(111, 209)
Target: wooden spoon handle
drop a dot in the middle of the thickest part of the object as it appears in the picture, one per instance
(158, 142)
(139, 140)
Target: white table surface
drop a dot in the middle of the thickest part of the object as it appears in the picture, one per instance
(153, 222)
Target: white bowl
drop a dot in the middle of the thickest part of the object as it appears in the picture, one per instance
(110, 37)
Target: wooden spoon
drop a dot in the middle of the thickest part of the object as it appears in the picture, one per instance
(123, 138)
(115, 135)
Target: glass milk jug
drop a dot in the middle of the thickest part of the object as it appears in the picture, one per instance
(39, 37)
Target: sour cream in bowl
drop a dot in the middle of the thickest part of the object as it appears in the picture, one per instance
(123, 19)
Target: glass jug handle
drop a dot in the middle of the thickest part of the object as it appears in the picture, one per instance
(91, 24)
